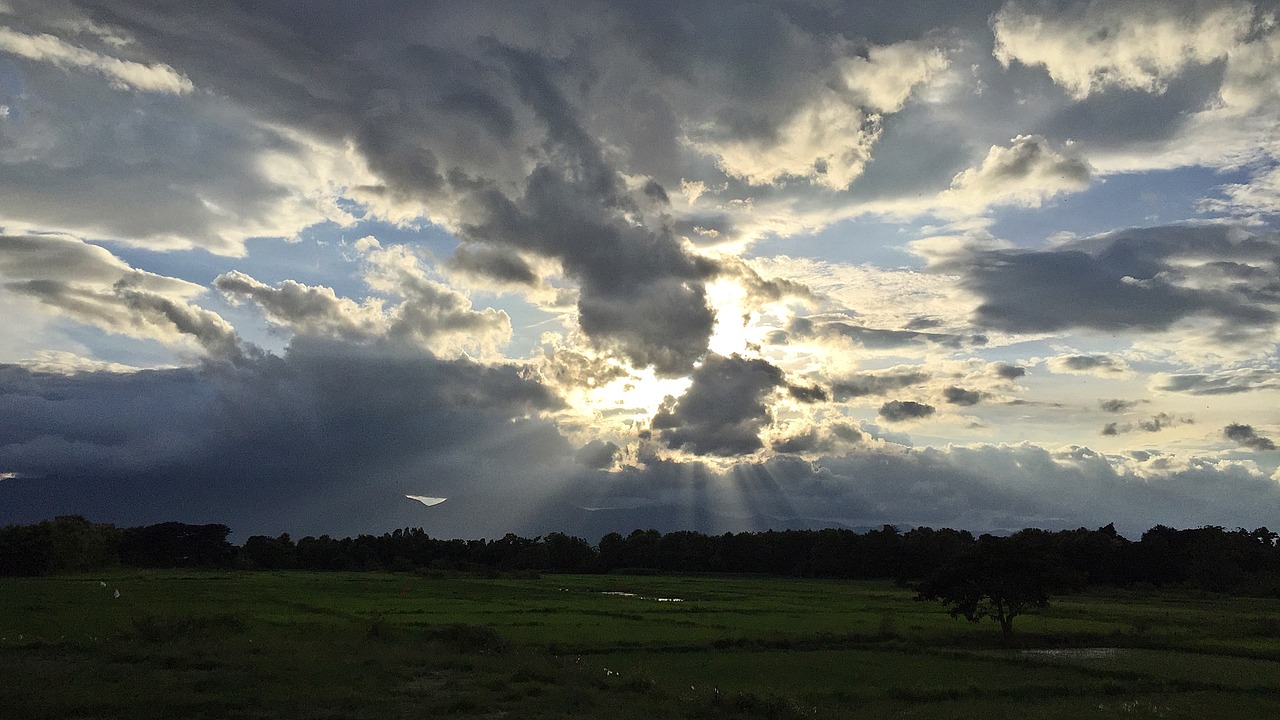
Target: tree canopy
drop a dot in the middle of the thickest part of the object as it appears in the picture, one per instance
(999, 578)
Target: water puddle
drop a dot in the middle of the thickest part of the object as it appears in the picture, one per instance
(1073, 653)
(615, 593)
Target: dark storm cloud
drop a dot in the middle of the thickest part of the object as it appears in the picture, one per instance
(514, 126)
(1119, 118)
(900, 410)
(803, 443)
(1225, 382)
(876, 383)
(492, 264)
(838, 326)
(982, 488)
(1087, 364)
(471, 112)
(885, 339)
(724, 410)
(1143, 279)
(960, 396)
(597, 454)
(988, 487)
(1009, 372)
(1247, 437)
(1161, 421)
(1117, 405)
(654, 190)
(836, 438)
(325, 438)
(640, 293)
(1154, 424)
(807, 394)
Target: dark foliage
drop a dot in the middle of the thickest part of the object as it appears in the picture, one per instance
(1209, 558)
(1000, 578)
(176, 545)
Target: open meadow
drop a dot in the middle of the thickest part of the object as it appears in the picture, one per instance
(380, 645)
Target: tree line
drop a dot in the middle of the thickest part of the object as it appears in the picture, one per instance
(1209, 558)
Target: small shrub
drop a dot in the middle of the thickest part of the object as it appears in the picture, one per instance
(1267, 627)
(380, 629)
(467, 638)
(639, 685)
(531, 673)
(751, 705)
(401, 564)
(463, 706)
(1143, 624)
(888, 628)
(154, 629)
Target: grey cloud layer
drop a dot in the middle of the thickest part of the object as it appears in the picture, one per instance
(564, 130)
(325, 432)
(1246, 436)
(1143, 279)
(724, 410)
(274, 444)
(90, 285)
(1224, 382)
(606, 148)
(902, 410)
(984, 487)
(1154, 424)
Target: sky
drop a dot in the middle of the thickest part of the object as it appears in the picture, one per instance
(314, 266)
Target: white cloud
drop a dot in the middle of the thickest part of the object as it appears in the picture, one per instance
(123, 74)
(1096, 365)
(1250, 78)
(1135, 46)
(430, 315)
(1025, 173)
(886, 78)
(828, 139)
(64, 258)
(1259, 196)
(62, 362)
(88, 284)
(1150, 48)
(309, 310)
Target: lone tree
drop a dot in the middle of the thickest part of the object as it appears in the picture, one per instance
(998, 578)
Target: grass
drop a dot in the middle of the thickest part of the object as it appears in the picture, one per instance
(366, 645)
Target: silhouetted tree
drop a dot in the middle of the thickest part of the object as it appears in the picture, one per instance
(270, 553)
(174, 544)
(998, 578)
(568, 554)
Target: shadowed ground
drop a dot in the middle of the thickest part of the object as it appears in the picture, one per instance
(372, 645)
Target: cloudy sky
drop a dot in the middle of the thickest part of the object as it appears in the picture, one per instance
(289, 265)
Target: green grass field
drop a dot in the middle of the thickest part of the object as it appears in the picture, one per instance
(370, 645)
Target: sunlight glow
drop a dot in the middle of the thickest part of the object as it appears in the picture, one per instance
(733, 331)
(636, 397)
